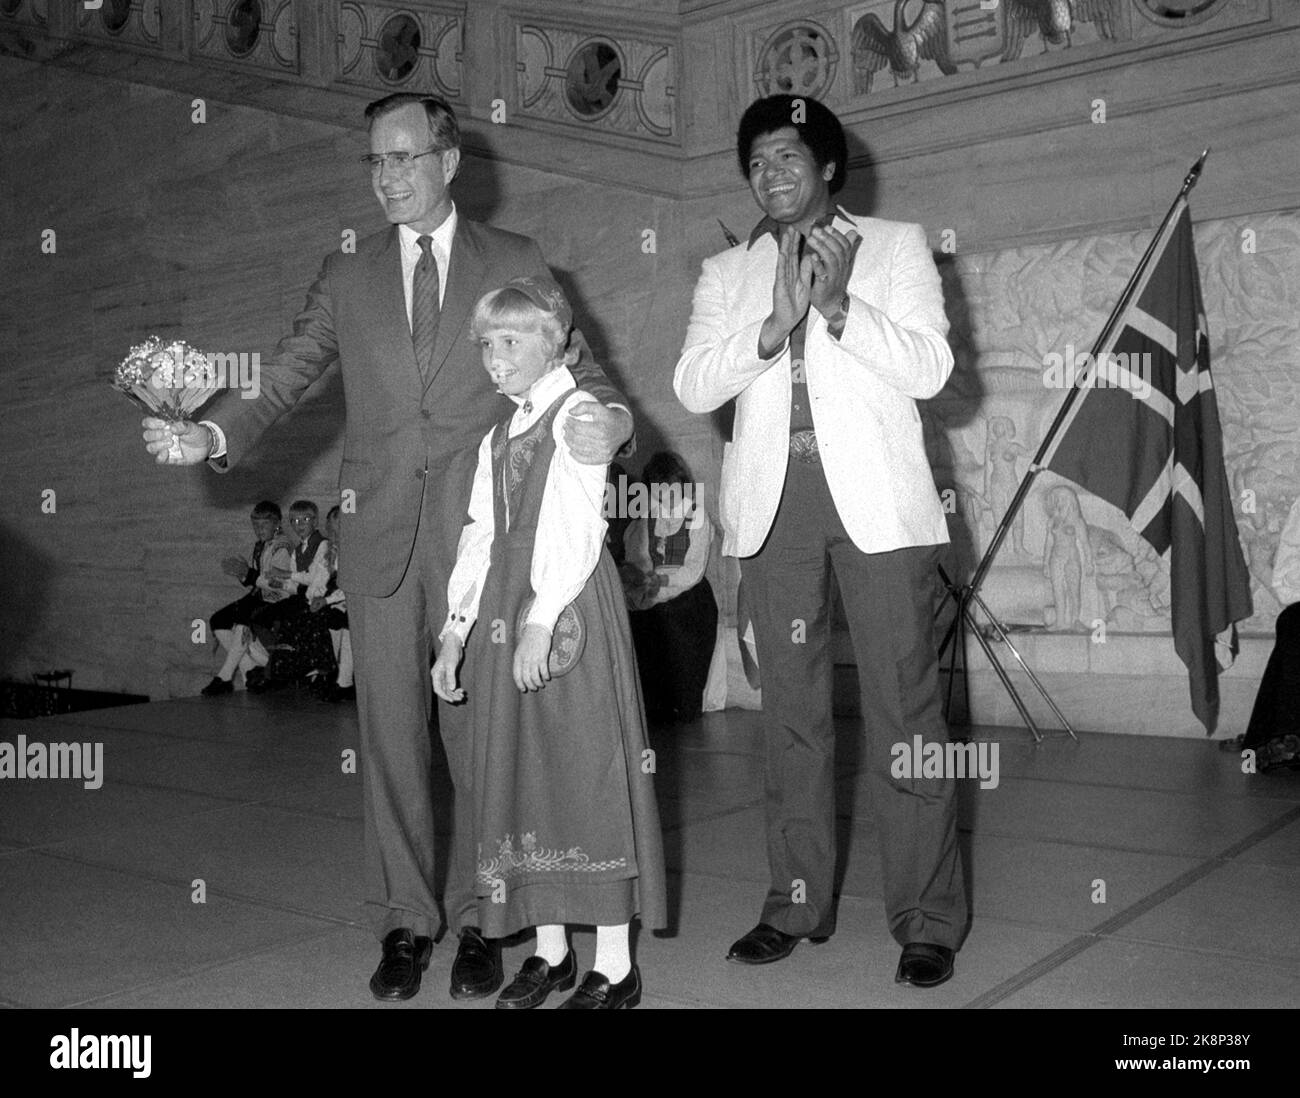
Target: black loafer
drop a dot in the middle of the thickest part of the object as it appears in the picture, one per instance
(536, 980)
(476, 972)
(217, 687)
(765, 944)
(924, 965)
(406, 956)
(597, 993)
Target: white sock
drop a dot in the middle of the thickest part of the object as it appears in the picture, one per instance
(551, 945)
(345, 658)
(234, 641)
(233, 658)
(613, 952)
(258, 653)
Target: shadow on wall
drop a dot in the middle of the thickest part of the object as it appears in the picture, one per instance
(961, 399)
(24, 591)
(277, 463)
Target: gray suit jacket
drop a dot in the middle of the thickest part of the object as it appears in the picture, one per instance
(399, 430)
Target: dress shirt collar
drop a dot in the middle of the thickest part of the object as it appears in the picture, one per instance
(771, 225)
(442, 236)
(542, 395)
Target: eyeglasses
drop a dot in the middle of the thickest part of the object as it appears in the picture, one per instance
(401, 161)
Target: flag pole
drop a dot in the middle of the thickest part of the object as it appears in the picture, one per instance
(1107, 330)
(966, 596)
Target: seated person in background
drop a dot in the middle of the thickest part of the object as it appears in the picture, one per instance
(1274, 729)
(674, 615)
(230, 624)
(297, 639)
(332, 606)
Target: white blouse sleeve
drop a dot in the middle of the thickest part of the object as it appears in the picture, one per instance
(474, 553)
(318, 572)
(570, 527)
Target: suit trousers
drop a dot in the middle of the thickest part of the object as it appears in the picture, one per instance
(889, 601)
(393, 643)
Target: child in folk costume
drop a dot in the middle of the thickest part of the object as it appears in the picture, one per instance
(674, 615)
(565, 817)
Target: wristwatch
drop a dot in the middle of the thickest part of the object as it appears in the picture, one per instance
(841, 314)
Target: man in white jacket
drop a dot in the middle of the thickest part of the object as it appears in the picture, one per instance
(826, 328)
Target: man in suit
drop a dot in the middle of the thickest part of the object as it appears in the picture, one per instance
(395, 316)
(826, 328)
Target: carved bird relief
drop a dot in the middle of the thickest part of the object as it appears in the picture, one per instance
(1054, 19)
(903, 48)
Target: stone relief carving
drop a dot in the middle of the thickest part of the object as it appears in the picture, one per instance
(1067, 556)
(260, 33)
(1011, 308)
(31, 12)
(917, 40)
(618, 83)
(797, 58)
(140, 23)
(384, 48)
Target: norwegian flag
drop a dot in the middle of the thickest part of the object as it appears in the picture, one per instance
(1155, 451)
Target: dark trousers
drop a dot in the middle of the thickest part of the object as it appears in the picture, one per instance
(889, 601)
(392, 643)
(674, 645)
(239, 612)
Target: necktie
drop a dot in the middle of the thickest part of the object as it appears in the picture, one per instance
(424, 307)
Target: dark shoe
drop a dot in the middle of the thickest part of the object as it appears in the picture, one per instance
(924, 965)
(536, 980)
(765, 944)
(333, 692)
(218, 686)
(263, 683)
(597, 993)
(476, 972)
(405, 959)
(1281, 751)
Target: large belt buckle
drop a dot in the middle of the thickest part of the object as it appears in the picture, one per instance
(803, 447)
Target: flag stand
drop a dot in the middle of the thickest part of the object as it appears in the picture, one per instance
(966, 597)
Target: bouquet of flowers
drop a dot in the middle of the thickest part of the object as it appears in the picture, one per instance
(169, 380)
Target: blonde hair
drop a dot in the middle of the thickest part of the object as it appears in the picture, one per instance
(509, 307)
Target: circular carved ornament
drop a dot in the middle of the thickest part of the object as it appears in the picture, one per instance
(115, 14)
(397, 49)
(1180, 13)
(799, 59)
(591, 78)
(243, 25)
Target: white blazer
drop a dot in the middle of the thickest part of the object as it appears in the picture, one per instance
(862, 388)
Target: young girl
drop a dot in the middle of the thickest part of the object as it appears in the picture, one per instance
(563, 800)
